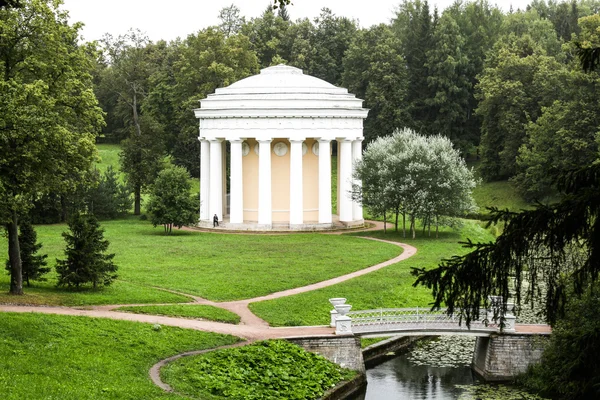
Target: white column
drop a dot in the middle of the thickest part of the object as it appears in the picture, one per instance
(215, 201)
(296, 183)
(357, 209)
(264, 182)
(324, 181)
(236, 192)
(204, 179)
(345, 179)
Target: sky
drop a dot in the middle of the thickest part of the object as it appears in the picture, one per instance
(170, 19)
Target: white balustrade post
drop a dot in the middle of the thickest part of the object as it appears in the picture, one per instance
(236, 199)
(264, 183)
(345, 180)
(336, 301)
(343, 325)
(325, 181)
(216, 179)
(509, 318)
(357, 208)
(296, 183)
(204, 179)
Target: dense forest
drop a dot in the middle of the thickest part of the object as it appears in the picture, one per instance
(506, 88)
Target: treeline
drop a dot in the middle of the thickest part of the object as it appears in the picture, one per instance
(503, 87)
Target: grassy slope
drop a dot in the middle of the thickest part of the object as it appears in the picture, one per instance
(63, 357)
(500, 194)
(218, 267)
(388, 287)
(192, 311)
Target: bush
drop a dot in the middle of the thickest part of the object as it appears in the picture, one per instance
(570, 365)
(170, 200)
(86, 259)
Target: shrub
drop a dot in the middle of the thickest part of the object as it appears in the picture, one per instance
(86, 259)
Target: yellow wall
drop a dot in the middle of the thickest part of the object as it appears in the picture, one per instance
(310, 170)
(250, 185)
(280, 183)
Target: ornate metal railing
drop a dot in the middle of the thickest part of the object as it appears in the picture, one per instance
(410, 319)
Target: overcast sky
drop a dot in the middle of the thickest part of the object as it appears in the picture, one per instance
(170, 19)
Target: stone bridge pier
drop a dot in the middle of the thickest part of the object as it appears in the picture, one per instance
(502, 357)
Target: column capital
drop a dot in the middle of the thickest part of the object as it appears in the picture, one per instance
(215, 139)
(323, 140)
(266, 141)
(235, 140)
(295, 140)
(345, 139)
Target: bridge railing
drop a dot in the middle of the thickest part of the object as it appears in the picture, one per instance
(398, 319)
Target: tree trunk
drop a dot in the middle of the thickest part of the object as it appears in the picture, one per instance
(403, 224)
(413, 228)
(14, 256)
(437, 227)
(384, 223)
(396, 224)
(137, 193)
(136, 119)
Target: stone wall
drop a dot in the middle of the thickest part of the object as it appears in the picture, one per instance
(503, 357)
(342, 350)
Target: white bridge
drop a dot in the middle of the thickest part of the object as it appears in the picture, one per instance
(413, 322)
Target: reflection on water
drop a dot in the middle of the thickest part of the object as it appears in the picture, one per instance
(398, 378)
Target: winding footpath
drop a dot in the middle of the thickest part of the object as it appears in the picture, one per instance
(251, 327)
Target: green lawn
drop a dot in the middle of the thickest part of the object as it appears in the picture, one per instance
(390, 287)
(192, 311)
(215, 266)
(64, 357)
(109, 156)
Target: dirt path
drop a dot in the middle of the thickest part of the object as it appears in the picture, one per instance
(250, 328)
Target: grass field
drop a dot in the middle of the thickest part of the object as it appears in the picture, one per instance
(75, 358)
(191, 311)
(214, 266)
(388, 287)
(500, 194)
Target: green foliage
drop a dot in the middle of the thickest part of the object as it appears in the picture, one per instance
(262, 370)
(375, 71)
(86, 260)
(110, 199)
(33, 265)
(194, 311)
(48, 112)
(415, 176)
(74, 358)
(548, 250)
(570, 365)
(170, 202)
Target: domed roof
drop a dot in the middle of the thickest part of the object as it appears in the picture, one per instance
(281, 79)
(281, 91)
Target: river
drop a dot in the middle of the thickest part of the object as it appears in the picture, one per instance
(399, 378)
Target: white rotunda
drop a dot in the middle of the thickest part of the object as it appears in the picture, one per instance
(280, 125)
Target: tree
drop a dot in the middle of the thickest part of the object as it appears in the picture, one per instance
(49, 115)
(33, 265)
(231, 21)
(449, 83)
(375, 71)
(170, 200)
(415, 176)
(265, 34)
(414, 28)
(87, 261)
(130, 58)
(110, 198)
